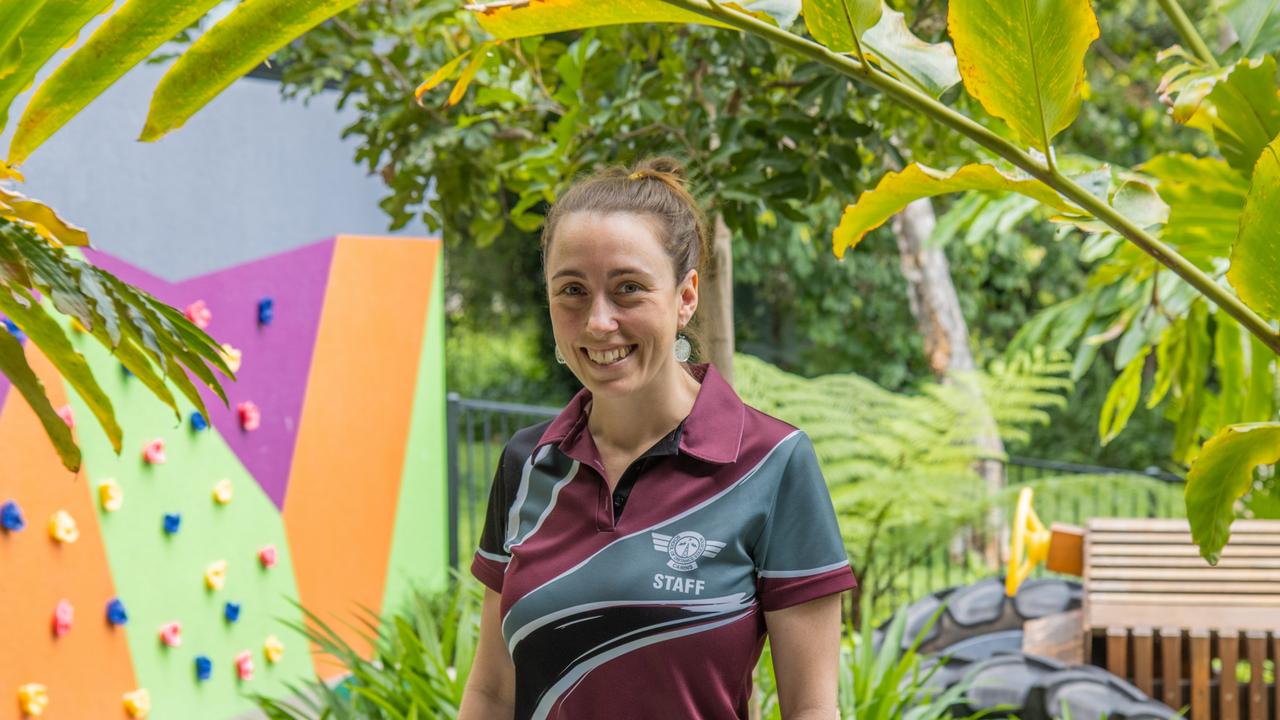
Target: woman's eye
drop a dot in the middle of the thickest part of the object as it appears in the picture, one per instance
(636, 287)
(570, 290)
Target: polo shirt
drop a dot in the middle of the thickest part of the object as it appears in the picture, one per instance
(648, 602)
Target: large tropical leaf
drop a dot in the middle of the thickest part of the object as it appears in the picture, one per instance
(126, 38)
(552, 16)
(1222, 474)
(1257, 24)
(1205, 198)
(1024, 60)
(1255, 255)
(13, 365)
(1246, 112)
(231, 48)
(14, 15)
(896, 190)
(836, 23)
(44, 219)
(53, 26)
(931, 67)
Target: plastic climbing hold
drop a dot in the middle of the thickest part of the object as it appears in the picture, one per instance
(63, 615)
(62, 527)
(153, 452)
(223, 491)
(267, 556)
(266, 311)
(110, 496)
(244, 665)
(116, 614)
(204, 668)
(273, 649)
(11, 517)
(198, 423)
(250, 417)
(215, 576)
(199, 314)
(67, 416)
(232, 357)
(138, 703)
(171, 634)
(33, 698)
(17, 332)
(172, 522)
(231, 611)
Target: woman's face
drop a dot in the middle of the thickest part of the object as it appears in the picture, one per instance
(615, 305)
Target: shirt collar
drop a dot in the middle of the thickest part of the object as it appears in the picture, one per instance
(712, 432)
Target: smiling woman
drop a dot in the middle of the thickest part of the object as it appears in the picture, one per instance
(638, 547)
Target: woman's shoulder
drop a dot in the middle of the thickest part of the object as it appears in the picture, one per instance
(523, 441)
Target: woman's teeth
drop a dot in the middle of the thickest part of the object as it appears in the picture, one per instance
(610, 357)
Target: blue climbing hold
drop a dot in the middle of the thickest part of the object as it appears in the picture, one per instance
(115, 612)
(11, 517)
(172, 521)
(198, 422)
(266, 311)
(232, 611)
(15, 330)
(204, 668)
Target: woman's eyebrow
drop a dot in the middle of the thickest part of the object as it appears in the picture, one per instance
(612, 273)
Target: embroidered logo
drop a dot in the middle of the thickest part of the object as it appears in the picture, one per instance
(685, 548)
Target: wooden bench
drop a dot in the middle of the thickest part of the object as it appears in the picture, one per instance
(1157, 614)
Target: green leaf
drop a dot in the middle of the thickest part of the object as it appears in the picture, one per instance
(478, 60)
(931, 67)
(1222, 474)
(14, 15)
(445, 72)
(43, 218)
(231, 48)
(1255, 254)
(54, 25)
(1205, 198)
(835, 23)
(1228, 356)
(1122, 398)
(1140, 203)
(13, 365)
(1024, 60)
(553, 16)
(1246, 112)
(132, 33)
(1256, 23)
(898, 189)
(1259, 398)
(52, 340)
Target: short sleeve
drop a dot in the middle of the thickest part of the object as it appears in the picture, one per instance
(800, 555)
(490, 563)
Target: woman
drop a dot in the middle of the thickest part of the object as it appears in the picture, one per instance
(638, 547)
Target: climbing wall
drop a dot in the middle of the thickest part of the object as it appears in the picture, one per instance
(175, 567)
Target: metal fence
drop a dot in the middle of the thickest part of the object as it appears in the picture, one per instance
(479, 429)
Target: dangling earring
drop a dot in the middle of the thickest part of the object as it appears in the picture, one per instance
(559, 357)
(681, 348)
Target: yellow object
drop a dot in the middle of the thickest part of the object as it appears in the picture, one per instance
(223, 491)
(62, 527)
(110, 495)
(273, 649)
(1030, 537)
(232, 357)
(34, 698)
(138, 703)
(215, 576)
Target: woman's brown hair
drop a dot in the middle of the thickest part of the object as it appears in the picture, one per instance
(653, 188)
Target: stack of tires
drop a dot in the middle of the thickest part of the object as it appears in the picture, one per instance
(977, 640)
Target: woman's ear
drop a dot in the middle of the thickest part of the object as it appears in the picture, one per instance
(688, 297)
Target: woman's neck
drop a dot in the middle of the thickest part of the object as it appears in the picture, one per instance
(627, 423)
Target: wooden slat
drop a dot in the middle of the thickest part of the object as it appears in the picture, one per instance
(1256, 641)
(1200, 706)
(1143, 660)
(1175, 525)
(1201, 599)
(1190, 574)
(1228, 686)
(1179, 538)
(1142, 549)
(1192, 562)
(1102, 614)
(1118, 652)
(1171, 666)
(1266, 589)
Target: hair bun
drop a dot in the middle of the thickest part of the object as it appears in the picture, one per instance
(662, 164)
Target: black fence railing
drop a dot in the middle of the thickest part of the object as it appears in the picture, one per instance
(902, 570)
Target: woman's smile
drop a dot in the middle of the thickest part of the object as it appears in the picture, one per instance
(609, 358)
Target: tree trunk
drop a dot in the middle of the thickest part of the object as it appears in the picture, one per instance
(715, 301)
(936, 308)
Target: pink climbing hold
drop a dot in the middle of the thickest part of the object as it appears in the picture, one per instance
(64, 412)
(63, 614)
(153, 453)
(267, 556)
(244, 665)
(171, 634)
(250, 417)
(199, 314)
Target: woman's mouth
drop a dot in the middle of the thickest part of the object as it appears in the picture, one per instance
(609, 358)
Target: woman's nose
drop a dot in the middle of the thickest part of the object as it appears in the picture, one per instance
(601, 319)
